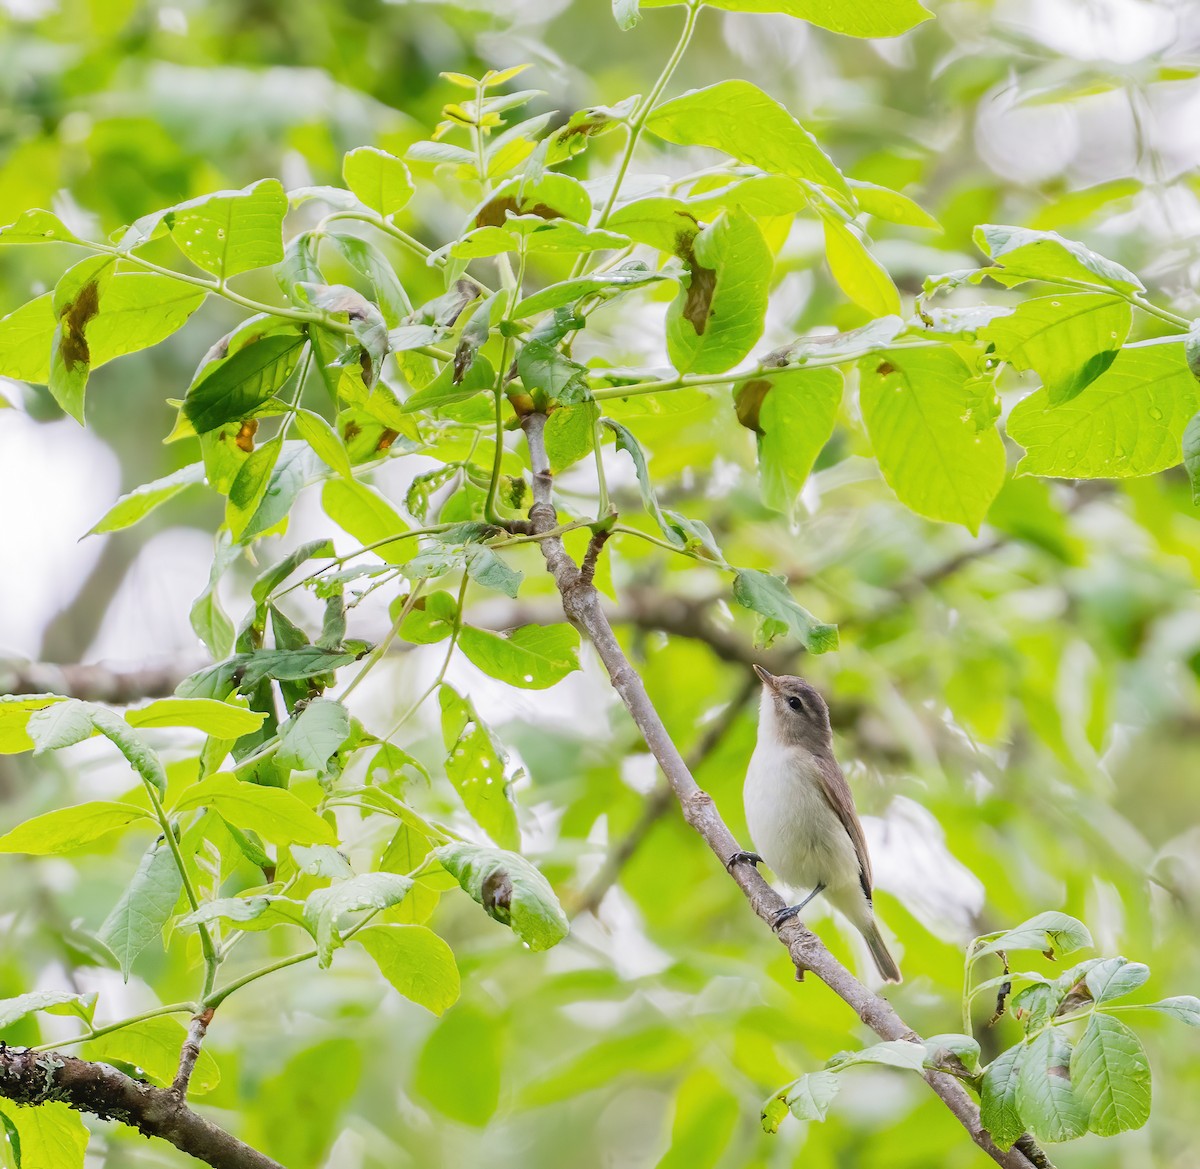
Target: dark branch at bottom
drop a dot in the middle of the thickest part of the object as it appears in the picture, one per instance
(33, 1078)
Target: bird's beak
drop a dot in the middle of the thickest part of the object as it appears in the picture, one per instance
(768, 679)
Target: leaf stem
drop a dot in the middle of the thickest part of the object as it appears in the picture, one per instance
(378, 652)
(212, 960)
(815, 361)
(96, 1032)
(640, 116)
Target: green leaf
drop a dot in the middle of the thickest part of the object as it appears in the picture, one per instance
(963, 1047)
(153, 1045)
(626, 441)
(49, 1136)
(379, 179)
(707, 1114)
(431, 619)
(232, 231)
(998, 1098)
(1114, 978)
(1129, 421)
(532, 657)
(1045, 255)
(536, 235)
(66, 829)
(1184, 1007)
(570, 434)
(270, 579)
(14, 1009)
(1069, 339)
(459, 1069)
(930, 449)
(550, 376)
(601, 285)
(1046, 1098)
(510, 889)
(62, 725)
(144, 908)
(26, 336)
(809, 1097)
(242, 383)
(485, 567)
(141, 501)
(626, 13)
(738, 118)
(325, 441)
(415, 961)
(770, 597)
(367, 516)
(324, 907)
(308, 739)
(859, 275)
(718, 316)
(219, 719)
(1050, 931)
(274, 813)
(794, 412)
(14, 720)
(137, 752)
(239, 910)
(37, 227)
(1191, 455)
(894, 1053)
(863, 18)
(475, 766)
(445, 391)
(884, 203)
(1111, 1074)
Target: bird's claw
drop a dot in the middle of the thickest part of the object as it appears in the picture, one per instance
(785, 914)
(743, 858)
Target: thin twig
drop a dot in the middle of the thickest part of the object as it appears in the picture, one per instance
(190, 1052)
(581, 604)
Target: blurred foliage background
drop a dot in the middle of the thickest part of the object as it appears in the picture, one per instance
(1017, 712)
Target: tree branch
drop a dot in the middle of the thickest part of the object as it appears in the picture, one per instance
(581, 604)
(659, 802)
(94, 683)
(33, 1078)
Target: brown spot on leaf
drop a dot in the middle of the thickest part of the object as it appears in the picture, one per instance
(245, 435)
(495, 211)
(497, 894)
(884, 368)
(748, 402)
(698, 307)
(351, 431)
(74, 320)
(386, 439)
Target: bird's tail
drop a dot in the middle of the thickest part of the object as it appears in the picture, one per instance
(884, 962)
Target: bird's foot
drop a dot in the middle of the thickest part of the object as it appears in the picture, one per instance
(743, 858)
(785, 914)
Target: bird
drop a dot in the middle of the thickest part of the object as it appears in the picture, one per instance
(800, 811)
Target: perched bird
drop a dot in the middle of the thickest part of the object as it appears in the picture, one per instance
(801, 814)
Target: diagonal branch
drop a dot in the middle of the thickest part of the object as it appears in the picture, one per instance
(659, 802)
(581, 604)
(32, 1078)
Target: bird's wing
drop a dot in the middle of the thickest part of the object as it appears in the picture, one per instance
(837, 793)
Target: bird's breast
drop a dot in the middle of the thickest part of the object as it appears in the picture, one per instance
(791, 823)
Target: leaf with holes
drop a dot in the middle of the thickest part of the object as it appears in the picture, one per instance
(475, 766)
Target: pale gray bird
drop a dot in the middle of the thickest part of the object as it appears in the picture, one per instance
(800, 811)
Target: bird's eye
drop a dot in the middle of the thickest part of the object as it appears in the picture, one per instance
(795, 703)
